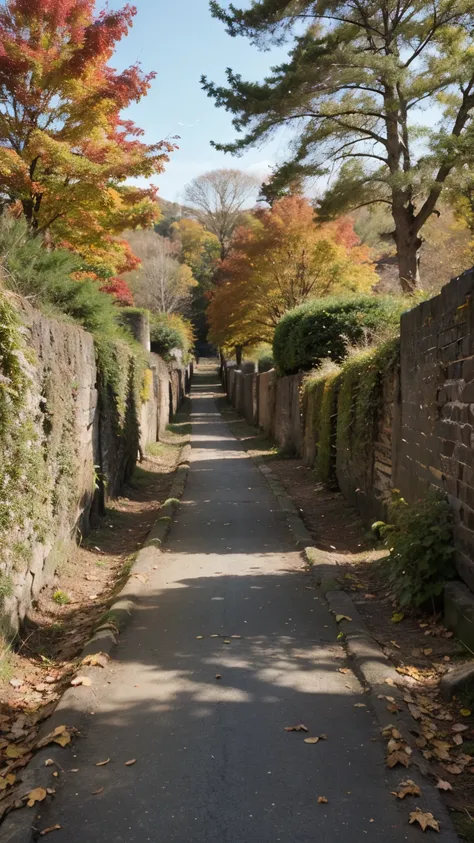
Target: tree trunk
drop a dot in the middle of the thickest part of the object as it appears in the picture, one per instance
(408, 244)
(238, 355)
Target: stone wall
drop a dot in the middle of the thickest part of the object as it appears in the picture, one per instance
(81, 453)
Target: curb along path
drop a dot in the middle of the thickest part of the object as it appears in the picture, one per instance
(229, 643)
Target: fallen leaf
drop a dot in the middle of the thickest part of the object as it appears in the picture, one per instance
(414, 711)
(425, 820)
(370, 597)
(60, 735)
(322, 800)
(427, 651)
(36, 795)
(344, 670)
(214, 635)
(48, 830)
(397, 617)
(96, 660)
(454, 769)
(199, 637)
(13, 751)
(466, 712)
(340, 618)
(311, 740)
(360, 705)
(399, 756)
(407, 788)
(459, 727)
(7, 780)
(299, 728)
(129, 763)
(141, 577)
(457, 739)
(390, 682)
(81, 680)
(236, 636)
(96, 792)
(226, 640)
(442, 785)
(103, 763)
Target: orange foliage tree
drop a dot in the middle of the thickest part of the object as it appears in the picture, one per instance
(65, 151)
(281, 259)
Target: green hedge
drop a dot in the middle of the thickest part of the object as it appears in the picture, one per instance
(326, 328)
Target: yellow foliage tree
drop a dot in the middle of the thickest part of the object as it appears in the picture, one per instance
(281, 259)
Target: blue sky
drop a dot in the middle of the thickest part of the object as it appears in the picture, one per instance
(180, 40)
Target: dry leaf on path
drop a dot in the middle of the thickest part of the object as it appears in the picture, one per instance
(7, 780)
(81, 680)
(60, 735)
(344, 669)
(454, 769)
(96, 660)
(340, 618)
(96, 792)
(322, 800)
(442, 785)
(397, 617)
(299, 728)
(407, 788)
(466, 712)
(103, 763)
(311, 740)
(48, 830)
(36, 795)
(360, 705)
(129, 763)
(425, 820)
(399, 756)
(457, 739)
(459, 727)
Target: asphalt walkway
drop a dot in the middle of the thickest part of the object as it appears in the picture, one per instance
(230, 644)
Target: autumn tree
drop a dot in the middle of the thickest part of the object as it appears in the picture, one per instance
(218, 199)
(198, 248)
(65, 151)
(162, 283)
(279, 261)
(354, 86)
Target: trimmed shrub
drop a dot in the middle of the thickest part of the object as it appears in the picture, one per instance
(169, 333)
(327, 328)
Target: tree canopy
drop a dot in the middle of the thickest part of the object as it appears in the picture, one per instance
(278, 261)
(65, 150)
(219, 199)
(355, 86)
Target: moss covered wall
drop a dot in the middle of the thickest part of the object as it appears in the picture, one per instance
(69, 439)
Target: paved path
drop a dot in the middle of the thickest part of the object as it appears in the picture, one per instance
(214, 764)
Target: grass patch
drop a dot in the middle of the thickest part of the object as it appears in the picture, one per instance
(61, 598)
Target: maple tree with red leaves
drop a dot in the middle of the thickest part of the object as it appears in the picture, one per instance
(119, 289)
(65, 151)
